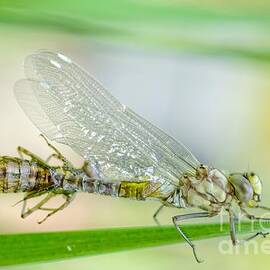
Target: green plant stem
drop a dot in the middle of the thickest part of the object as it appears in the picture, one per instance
(37, 247)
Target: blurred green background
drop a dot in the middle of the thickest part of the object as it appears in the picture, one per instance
(197, 69)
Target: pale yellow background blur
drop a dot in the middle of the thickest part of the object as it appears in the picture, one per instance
(219, 107)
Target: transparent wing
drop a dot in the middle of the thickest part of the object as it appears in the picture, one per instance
(70, 107)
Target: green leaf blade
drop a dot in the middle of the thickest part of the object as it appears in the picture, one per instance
(44, 247)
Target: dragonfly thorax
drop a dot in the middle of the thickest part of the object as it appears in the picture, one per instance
(209, 189)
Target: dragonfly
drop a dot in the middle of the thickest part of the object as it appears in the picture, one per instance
(125, 155)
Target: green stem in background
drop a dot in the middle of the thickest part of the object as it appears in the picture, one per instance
(45, 247)
(235, 30)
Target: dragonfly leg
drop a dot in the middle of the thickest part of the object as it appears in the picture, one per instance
(233, 219)
(263, 234)
(252, 217)
(28, 196)
(31, 195)
(25, 213)
(68, 199)
(23, 151)
(157, 213)
(179, 218)
(39, 206)
(263, 207)
(50, 157)
(57, 153)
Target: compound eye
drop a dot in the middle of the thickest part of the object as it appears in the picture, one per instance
(256, 183)
(242, 187)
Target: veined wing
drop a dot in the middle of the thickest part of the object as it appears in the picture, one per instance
(70, 107)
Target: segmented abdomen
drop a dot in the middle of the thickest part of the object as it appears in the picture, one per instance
(22, 175)
(138, 190)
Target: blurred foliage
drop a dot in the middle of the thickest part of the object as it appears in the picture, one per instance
(230, 28)
(36, 247)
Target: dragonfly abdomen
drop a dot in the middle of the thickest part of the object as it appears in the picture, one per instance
(133, 190)
(100, 187)
(18, 175)
(138, 190)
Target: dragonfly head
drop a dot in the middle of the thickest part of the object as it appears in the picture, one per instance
(247, 188)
